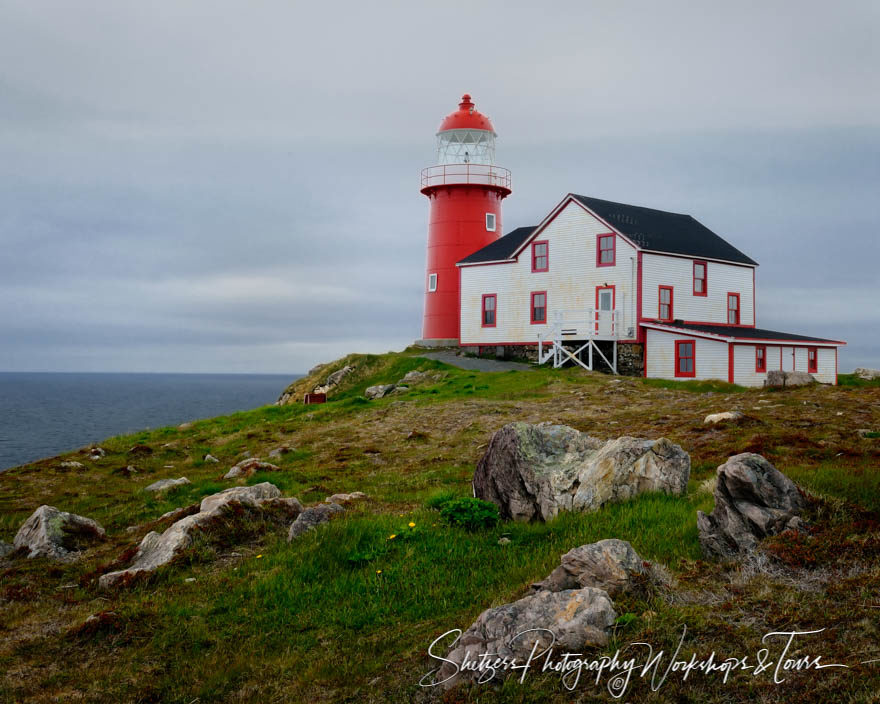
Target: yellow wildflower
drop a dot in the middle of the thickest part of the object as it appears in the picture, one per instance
(259, 556)
(412, 525)
(392, 536)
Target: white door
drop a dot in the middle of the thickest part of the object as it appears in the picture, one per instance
(605, 304)
(788, 359)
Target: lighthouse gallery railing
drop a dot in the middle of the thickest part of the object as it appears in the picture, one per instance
(478, 174)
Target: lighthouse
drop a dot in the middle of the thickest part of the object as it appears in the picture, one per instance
(465, 189)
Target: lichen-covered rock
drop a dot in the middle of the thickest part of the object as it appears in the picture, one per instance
(71, 464)
(345, 498)
(166, 484)
(780, 379)
(572, 621)
(334, 380)
(57, 534)
(532, 472)
(867, 374)
(726, 415)
(312, 517)
(753, 500)
(249, 466)
(157, 549)
(608, 564)
(378, 391)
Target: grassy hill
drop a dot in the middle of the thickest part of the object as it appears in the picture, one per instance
(346, 613)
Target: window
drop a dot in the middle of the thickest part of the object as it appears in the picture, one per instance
(761, 358)
(812, 360)
(432, 283)
(700, 278)
(733, 309)
(605, 250)
(665, 299)
(490, 222)
(539, 307)
(540, 256)
(685, 358)
(490, 306)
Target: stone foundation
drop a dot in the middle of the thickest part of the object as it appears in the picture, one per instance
(630, 357)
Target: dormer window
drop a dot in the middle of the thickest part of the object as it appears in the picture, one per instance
(432, 283)
(605, 250)
(700, 279)
(490, 222)
(540, 256)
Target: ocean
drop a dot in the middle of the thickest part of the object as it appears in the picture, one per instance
(44, 414)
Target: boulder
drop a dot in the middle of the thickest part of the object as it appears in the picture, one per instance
(57, 534)
(379, 391)
(157, 550)
(753, 500)
(571, 621)
(867, 374)
(96, 453)
(312, 517)
(532, 472)
(345, 498)
(210, 458)
(414, 377)
(249, 466)
(781, 379)
(727, 415)
(5, 549)
(166, 484)
(71, 464)
(609, 564)
(334, 380)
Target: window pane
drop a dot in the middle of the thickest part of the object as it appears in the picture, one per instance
(664, 295)
(698, 285)
(541, 249)
(540, 300)
(699, 270)
(490, 303)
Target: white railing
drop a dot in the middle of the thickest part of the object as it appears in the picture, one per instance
(479, 174)
(590, 324)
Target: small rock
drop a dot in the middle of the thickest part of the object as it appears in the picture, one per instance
(166, 484)
(249, 466)
(97, 453)
(71, 464)
(210, 458)
(57, 534)
(379, 391)
(867, 374)
(609, 564)
(865, 432)
(753, 500)
(416, 435)
(414, 377)
(185, 426)
(312, 517)
(126, 471)
(504, 540)
(246, 454)
(5, 549)
(279, 451)
(345, 498)
(189, 580)
(727, 415)
(780, 379)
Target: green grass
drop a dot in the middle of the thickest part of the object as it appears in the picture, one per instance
(853, 380)
(695, 386)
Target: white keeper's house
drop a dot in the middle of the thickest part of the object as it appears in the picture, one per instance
(600, 283)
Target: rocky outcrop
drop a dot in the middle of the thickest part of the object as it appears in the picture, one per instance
(334, 380)
(571, 620)
(867, 374)
(609, 564)
(780, 379)
(378, 391)
(166, 484)
(313, 517)
(157, 550)
(57, 534)
(71, 464)
(725, 416)
(250, 466)
(753, 500)
(532, 472)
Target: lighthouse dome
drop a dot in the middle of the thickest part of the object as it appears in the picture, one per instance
(466, 136)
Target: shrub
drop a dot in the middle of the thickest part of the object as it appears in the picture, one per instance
(472, 514)
(439, 499)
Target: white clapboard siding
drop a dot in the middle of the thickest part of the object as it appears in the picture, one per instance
(570, 282)
(711, 356)
(678, 272)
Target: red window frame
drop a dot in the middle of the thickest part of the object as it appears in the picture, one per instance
(535, 255)
(812, 360)
(705, 278)
(534, 320)
(613, 249)
(679, 357)
(732, 310)
(660, 291)
(760, 358)
(494, 323)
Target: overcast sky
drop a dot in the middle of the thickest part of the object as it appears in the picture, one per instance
(217, 186)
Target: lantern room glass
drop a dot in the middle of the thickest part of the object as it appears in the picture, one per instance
(466, 147)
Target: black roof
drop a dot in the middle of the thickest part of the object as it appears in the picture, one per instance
(744, 333)
(502, 248)
(665, 232)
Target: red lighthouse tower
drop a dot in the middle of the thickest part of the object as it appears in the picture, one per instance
(465, 189)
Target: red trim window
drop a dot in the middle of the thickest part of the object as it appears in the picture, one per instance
(664, 298)
(685, 357)
(700, 278)
(540, 256)
(760, 358)
(733, 309)
(539, 307)
(606, 250)
(812, 360)
(490, 310)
